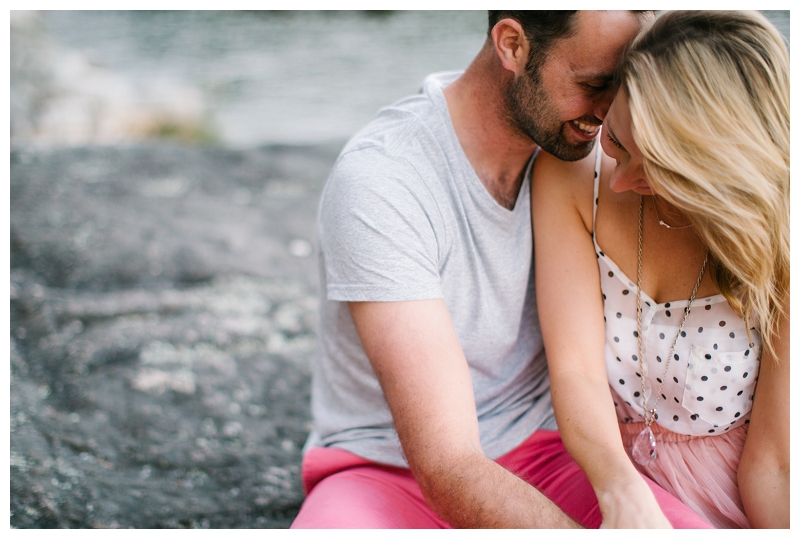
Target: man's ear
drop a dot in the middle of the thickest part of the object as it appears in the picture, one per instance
(511, 45)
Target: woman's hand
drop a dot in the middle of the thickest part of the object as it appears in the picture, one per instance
(631, 504)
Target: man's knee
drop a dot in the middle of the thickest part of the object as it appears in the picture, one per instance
(366, 498)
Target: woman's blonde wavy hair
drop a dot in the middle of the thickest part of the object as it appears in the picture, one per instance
(709, 98)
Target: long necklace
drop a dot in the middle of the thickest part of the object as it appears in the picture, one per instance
(644, 448)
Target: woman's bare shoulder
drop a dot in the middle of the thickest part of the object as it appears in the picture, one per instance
(552, 172)
(567, 182)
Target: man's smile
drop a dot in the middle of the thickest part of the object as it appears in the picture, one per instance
(587, 129)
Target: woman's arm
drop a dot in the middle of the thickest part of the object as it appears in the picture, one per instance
(571, 314)
(764, 468)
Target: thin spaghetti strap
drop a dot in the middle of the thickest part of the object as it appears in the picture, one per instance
(598, 160)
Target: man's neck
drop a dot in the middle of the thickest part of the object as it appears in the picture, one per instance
(497, 153)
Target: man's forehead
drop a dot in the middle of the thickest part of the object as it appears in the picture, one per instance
(592, 21)
(592, 50)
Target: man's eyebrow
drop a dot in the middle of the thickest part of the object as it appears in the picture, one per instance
(606, 77)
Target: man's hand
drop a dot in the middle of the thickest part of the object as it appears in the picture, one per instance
(416, 355)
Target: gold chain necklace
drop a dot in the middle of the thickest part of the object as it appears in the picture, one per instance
(644, 448)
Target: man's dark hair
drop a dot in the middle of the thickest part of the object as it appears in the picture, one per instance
(542, 29)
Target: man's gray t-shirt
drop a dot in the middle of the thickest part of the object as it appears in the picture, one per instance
(404, 217)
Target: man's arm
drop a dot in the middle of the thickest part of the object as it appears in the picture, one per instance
(416, 355)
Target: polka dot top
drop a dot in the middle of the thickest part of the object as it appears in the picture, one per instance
(709, 386)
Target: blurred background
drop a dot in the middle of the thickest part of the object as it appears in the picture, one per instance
(240, 79)
(164, 179)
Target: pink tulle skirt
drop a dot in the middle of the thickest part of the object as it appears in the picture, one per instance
(698, 470)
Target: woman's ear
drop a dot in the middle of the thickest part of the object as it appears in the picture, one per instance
(511, 45)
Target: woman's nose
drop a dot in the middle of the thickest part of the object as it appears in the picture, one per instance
(625, 178)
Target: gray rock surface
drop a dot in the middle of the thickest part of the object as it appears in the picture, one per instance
(163, 311)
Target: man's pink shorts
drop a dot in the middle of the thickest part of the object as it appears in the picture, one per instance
(346, 491)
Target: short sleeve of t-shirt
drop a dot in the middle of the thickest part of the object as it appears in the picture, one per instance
(378, 224)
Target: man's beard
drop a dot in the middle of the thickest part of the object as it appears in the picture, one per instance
(531, 113)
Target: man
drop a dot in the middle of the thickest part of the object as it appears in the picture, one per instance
(430, 393)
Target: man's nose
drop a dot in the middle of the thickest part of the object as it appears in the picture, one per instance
(603, 103)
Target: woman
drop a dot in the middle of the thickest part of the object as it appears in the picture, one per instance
(677, 237)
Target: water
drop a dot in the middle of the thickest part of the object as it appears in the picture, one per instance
(278, 77)
(242, 78)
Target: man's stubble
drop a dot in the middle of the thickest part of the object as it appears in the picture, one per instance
(532, 113)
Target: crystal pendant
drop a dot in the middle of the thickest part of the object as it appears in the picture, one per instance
(644, 448)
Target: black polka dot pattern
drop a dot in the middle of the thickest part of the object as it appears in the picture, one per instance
(730, 371)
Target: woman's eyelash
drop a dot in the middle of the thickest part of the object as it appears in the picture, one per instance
(614, 141)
